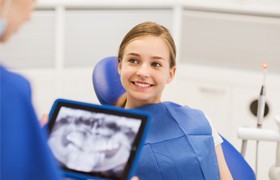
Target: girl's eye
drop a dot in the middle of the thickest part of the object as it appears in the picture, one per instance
(156, 64)
(133, 61)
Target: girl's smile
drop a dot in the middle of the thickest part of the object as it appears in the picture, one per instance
(143, 85)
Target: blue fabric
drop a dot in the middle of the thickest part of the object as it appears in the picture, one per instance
(179, 145)
(25, 154)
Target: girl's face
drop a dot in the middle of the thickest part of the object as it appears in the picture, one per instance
(145, 70)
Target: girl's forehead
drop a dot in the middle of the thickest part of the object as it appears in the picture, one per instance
(148, 44)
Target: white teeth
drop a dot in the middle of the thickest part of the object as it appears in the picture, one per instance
(142, 85)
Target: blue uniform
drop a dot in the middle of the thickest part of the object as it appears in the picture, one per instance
(25, 154)
(179, 145)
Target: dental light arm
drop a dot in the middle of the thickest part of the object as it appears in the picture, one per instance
(258, 134)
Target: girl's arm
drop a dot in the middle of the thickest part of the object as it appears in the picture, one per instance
(224, 171)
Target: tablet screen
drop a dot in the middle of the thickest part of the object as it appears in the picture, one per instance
(94, 140)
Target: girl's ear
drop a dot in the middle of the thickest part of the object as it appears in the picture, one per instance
(119, 67)
(172, 72)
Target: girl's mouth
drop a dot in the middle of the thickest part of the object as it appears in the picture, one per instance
(141, 84)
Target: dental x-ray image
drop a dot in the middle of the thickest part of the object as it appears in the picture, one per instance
(93, 142)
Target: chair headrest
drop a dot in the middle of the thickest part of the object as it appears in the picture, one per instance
(106, 81)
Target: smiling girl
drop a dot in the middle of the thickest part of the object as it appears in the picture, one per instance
(181, 143)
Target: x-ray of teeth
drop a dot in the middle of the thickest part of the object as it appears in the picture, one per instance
(92, 142)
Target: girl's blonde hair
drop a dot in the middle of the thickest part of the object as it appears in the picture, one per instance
(147, 29)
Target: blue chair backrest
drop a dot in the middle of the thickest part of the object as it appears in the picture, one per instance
(238, 166)
(108, 88)
(106, 81)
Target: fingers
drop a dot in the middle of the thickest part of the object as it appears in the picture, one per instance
(44, 119)
(134, 178)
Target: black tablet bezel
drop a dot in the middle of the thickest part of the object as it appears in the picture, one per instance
(135, 148)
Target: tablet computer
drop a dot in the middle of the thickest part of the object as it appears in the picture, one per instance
(93, 141)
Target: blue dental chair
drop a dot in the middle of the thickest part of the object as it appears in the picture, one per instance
(108, 88)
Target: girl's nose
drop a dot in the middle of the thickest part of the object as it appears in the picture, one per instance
(143, 70)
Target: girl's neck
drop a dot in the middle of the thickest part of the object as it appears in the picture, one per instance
(134, 104)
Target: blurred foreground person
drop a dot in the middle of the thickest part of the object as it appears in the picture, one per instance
(25, 154)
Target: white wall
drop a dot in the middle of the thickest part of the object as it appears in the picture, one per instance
(221, 49)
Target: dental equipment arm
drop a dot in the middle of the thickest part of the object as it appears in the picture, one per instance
(258, 134)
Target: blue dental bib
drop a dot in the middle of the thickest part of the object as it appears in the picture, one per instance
(179, 145)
